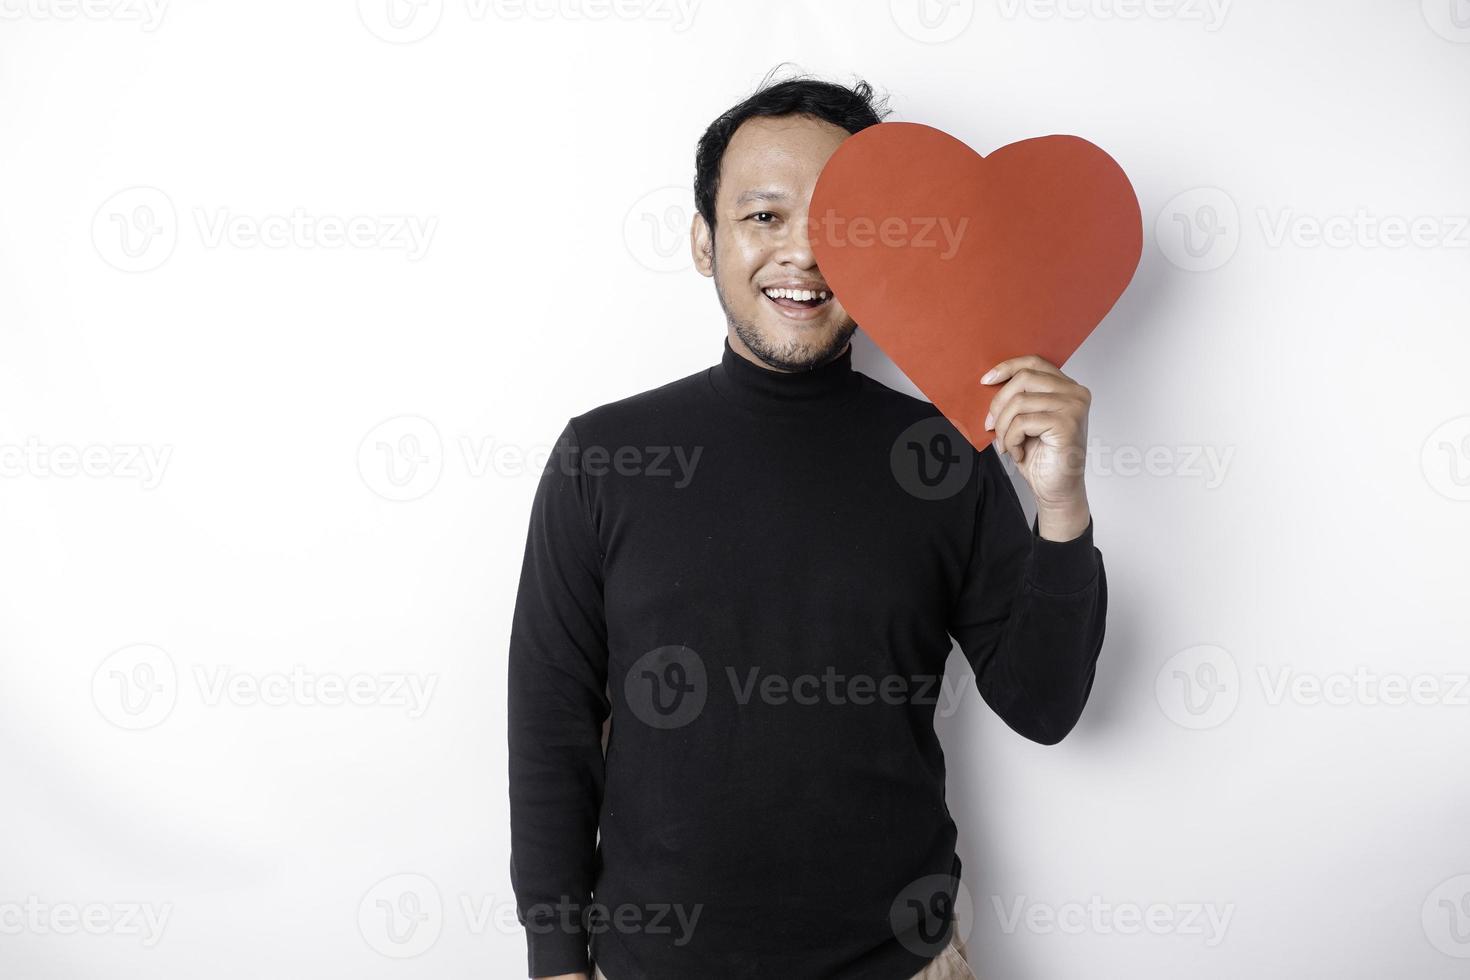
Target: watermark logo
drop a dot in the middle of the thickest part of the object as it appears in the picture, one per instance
(132, 919)
(136, 687)
(400, 21)
(222, 684)
(1445, 916)
(1099, 917)
(1198, 230)
(1210, 14)
(1363, 686)
(1362, 229)
(126, 461)
(656, 229)
(1198, 687)
(666, 687)
(931, 460)
(1444, 459)
(401, 916)
(147, 14)
(1450, 19)
(932, 21)
(921, 914)
(836, 688)
(401, 458)
(136, 229)
(1208, 464)
(941, 233)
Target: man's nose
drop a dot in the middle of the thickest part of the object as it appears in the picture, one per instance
(796, 244)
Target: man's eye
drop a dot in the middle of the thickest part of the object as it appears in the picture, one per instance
(759, 213)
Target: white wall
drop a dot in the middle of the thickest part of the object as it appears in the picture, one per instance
(258, 532)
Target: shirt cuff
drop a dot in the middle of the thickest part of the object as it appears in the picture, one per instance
(1062, 567)
(555, 951)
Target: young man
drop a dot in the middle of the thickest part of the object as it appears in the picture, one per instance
(756, 572)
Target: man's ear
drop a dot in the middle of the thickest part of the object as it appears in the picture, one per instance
(701, 246)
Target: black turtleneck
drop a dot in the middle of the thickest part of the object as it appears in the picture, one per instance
(757, 575)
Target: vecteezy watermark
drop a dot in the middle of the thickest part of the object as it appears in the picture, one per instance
(403, 458)
(1362, 686)
(221, 684)
(669, 686)
(932, 21)
(1445, 916)
(837, 688)
(656, 229)
(1200, 229)
(1189, 461)
(1444, 458)
(401, 916)
(672, 919)
(1450, 19)
(1100, 917)
(1209, 13)
(943, 233)
(122, 461)
(1198, 687)
(147, 14)
(137, 230)
(407, 21)
(930, 459)
(1363, 229)
(922, 912)
(34, 917)
(137, 687)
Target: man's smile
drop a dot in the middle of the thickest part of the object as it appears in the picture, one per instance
(798, 300)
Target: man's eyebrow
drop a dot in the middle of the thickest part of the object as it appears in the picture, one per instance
(766, 194)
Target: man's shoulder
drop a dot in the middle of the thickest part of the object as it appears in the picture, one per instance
(670, 400)
(895, 401)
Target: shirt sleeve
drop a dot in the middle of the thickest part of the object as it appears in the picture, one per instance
(1031, 613)
(556, 703)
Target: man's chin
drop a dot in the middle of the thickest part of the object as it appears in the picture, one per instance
(798, 346)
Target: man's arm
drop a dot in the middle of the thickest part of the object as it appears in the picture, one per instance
(1031, 615)
(556, 699)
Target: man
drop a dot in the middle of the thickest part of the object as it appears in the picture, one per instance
(756, 572)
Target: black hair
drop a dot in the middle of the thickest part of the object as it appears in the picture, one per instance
(853, 109)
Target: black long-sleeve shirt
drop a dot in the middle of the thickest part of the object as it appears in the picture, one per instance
(758, 574)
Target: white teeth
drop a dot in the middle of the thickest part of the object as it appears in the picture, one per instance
(801, 294)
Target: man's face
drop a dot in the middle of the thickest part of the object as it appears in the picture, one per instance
(760, 243)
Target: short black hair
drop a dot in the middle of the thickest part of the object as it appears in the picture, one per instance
(853, 109)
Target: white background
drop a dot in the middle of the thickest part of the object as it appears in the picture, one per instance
(344, 441)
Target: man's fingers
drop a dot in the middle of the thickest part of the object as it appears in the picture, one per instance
(1022, 427)
(1023, 403)
(1007, 368)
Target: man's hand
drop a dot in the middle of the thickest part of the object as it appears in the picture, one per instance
(1040, 417)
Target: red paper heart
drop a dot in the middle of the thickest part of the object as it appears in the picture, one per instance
(965, 261)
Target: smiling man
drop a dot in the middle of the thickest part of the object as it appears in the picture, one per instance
(767, 636)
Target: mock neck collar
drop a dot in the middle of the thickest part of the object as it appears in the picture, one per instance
(761, 389)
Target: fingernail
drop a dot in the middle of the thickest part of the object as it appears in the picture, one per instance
(989, 377)
(989, 420)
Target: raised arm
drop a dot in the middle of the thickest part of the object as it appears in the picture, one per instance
(1031, 615)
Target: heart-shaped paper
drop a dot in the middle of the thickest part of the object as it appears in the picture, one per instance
(953, 262)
